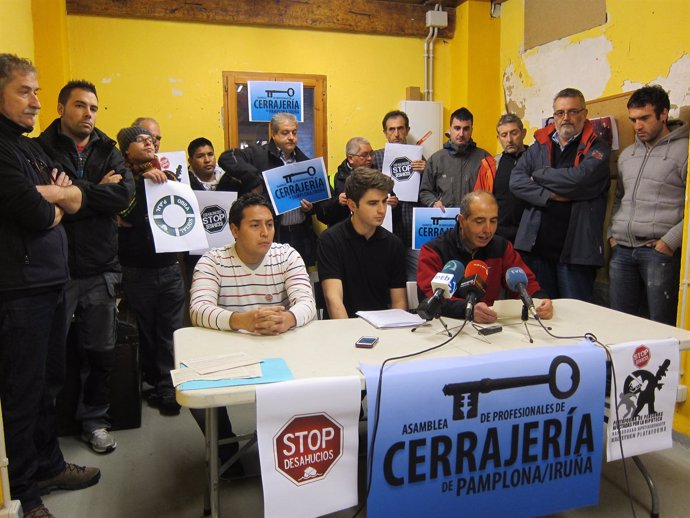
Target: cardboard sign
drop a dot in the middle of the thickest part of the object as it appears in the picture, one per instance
(289, 184)
(174, 217)
(428, 223)
(266, 98)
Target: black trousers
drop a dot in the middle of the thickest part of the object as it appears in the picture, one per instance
(32, 369)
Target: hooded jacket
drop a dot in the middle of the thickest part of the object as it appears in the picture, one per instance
(91, 232)
(586, 183)
(32, 255)
(650, 194)
(450, 173)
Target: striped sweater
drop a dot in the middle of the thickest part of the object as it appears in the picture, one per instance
(222, 284)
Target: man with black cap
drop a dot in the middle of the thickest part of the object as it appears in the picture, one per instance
(152, 281)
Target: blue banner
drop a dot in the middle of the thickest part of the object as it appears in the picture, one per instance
(289, 184)
(266, 98)
(429, 223)
(515, 433)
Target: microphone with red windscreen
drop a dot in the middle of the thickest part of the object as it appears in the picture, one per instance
(473, 285)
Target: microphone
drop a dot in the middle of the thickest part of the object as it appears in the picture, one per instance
(443, 285)
(473, 286)
(516, 279)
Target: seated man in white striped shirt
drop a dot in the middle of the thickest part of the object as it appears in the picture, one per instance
(254, 285)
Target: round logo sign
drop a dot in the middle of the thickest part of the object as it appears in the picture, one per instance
(174, 215)
(214, 218)
(307, 447)
(641, 356)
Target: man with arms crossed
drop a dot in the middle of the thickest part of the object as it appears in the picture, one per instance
(647, 222)
(564, 178)
(494, 174)
(361, 265)
(33, 273)
(93, 163)
(474, 239)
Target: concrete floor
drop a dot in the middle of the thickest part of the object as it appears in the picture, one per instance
(158, 471)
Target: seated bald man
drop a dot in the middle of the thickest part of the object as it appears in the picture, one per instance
(474, 238)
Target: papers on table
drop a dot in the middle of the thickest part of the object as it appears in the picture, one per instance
(391, 318)
(218, 367)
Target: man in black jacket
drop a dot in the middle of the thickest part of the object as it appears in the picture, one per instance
(93, 163)
(33, 272)
(294, 227)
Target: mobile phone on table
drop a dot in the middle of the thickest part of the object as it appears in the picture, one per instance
(366, 342)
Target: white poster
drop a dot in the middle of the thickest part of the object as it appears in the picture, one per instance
(176, 163)
(646, 374)
(214, 207)
(174, 217)
(308, 435)
(397, 163)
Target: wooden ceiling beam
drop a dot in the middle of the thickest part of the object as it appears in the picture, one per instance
(359, 16)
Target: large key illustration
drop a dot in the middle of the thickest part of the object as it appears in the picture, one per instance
(466, 394)
(289, 92)
(311, 171)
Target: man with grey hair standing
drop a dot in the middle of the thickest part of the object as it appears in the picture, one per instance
(494, 174)
(294, 227)
(564, 179)
(358, 153)
(33, 272)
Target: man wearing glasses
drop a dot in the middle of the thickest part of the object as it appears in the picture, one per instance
(358, 153)
(151, 125)
(564, 178)
(152, 281)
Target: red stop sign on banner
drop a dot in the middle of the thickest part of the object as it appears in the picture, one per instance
(641, 356)
(307, 447)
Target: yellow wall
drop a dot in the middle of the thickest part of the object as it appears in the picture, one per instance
(646, 41)
(173, 72)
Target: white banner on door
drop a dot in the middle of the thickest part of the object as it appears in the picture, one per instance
(174, 217)
(308, 436)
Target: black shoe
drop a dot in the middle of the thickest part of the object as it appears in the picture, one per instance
(165, 402)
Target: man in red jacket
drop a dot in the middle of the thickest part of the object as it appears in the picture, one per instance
(474, 238)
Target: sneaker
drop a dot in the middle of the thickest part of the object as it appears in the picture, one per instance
(165, 402)
(72, 477)
(39, 512)
(101, 440)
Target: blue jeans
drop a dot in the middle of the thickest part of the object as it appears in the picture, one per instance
(634, 271)
(562, 280)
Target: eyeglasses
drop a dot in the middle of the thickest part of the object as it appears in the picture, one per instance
(365, 155)
(143, 139)
(157, 138)
(559, 114)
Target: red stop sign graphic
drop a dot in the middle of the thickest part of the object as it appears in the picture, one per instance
(307, 447)
(641, 356)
